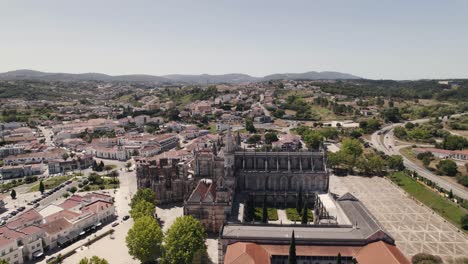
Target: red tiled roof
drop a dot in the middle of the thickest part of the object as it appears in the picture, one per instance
(64, 214)
(24, 219)
(246, 253)
(382, 253)
(96, 207)
(56, 226)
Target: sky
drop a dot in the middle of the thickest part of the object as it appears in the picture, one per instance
(384, 39)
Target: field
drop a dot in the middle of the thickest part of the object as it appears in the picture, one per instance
(52, 183)
(439, 204)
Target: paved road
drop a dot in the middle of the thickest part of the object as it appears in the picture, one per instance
(387, 145)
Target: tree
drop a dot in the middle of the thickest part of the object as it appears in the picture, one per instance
(114, 174)
(73, 189)
(254, 139)
(292, 250)
(264, 210)
(93, 260)
(299, 201)
(338, 259)
(271, 137)
(128, 165)
(108, 168)
(101, 166)
(249, 209)
(13, 194)
(41, 187)
(305, 216)
(464, 222)
(183, 240)
(447, 167)
(144, 239)
(313, 139)
(351, 149)
(376, 164)
(426, 160)
(95, 165)
(400, 132)
(249, 126)
(143, 194)
(395, 162)
(2, 261)
(142, 208)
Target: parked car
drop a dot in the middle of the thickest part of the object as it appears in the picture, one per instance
(115, 224)
(21, 208)
(13, 213)
(125, 218)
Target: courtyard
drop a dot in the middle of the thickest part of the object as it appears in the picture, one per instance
(415, 227)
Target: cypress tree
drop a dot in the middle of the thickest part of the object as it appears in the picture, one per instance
(338, 259)
(299, 201)
(265, 210)
(41, 187)
(292, 251)
(249, 210)
(305, 217)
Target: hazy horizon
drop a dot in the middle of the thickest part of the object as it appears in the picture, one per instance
(376, 40)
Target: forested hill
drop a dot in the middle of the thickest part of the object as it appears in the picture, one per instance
(423, 89)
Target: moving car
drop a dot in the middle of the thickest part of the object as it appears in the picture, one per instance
(125, 218)
(115, 224)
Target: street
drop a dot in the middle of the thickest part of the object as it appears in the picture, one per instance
(383, 140)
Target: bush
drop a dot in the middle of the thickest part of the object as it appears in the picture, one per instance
(73, 189)
(464, 222)
(447, 167)
(86, 188)
(422, 155)
(424, 258)
(463, 180)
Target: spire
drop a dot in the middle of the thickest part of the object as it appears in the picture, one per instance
(229, 144)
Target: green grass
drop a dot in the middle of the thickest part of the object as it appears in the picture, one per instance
(108, 184)
(52, 183)
(439, 204)
(292, 214)
(272, 214)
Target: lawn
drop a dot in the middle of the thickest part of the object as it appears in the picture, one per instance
(292, 215)
(272, 214)
(52, 183)
(439, 204)
(106, 184)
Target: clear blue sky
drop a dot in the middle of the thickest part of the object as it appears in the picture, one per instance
(397, 39)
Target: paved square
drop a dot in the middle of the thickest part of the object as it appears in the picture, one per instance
(415, 227)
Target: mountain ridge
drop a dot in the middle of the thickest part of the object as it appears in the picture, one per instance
(26, 74)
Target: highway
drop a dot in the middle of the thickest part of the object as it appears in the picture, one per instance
(384, 140)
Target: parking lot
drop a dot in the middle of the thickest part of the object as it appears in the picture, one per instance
(415, 227)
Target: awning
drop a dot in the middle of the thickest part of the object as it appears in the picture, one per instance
(38, 254)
